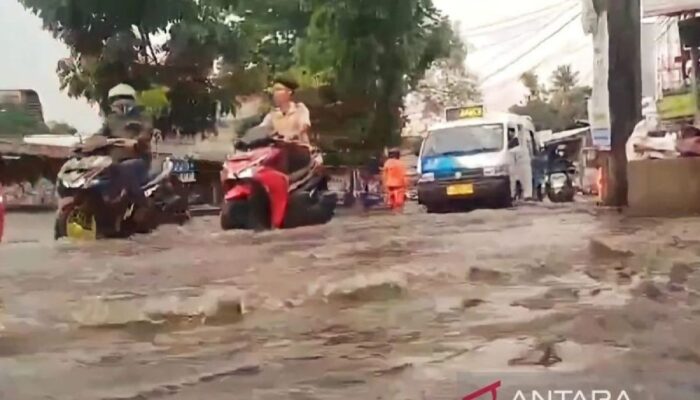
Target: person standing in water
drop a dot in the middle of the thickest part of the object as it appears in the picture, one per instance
(394, 180)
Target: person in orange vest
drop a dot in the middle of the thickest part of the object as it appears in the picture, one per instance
(394, 180)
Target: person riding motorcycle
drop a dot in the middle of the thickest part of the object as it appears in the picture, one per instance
(291, 120)
(126, 120)
(558, 162)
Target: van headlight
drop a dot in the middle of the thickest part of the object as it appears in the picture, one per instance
(427, 177)
(499, 170)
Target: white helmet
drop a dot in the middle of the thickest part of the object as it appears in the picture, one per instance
(122, 90)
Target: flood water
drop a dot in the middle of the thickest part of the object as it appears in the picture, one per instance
(377, 306)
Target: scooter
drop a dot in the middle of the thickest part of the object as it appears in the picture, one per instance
(93, 206)
(272, 183)
(559, 185)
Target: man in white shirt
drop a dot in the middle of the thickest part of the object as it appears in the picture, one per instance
(289, 119)
(642, 145)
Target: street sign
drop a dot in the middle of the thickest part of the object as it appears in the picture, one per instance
(601, 139)
(466, 112)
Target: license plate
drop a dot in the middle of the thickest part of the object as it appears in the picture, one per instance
(187, 177)
(458, 190)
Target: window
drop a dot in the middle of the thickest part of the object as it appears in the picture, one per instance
(513, 140)
(464, 140)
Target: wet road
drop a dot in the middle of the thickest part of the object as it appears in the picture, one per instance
(382, 307)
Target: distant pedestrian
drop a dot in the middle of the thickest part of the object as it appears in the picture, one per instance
(394, 180)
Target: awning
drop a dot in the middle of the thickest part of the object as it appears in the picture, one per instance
(565, 136)
(653, 8)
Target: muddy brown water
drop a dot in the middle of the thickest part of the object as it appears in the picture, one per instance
(379, 306)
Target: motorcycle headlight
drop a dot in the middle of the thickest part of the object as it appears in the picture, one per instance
(427, 177)
(78, 183)
(499, 170)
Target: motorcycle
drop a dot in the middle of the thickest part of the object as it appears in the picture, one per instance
(559, 184)
(93, 206)
(272, 183)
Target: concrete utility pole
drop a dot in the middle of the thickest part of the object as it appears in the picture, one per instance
(625, 87)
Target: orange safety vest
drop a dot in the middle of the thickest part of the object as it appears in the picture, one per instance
(394, 174)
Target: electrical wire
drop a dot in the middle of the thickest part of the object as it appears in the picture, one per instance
(520, 19)
(493, 60)
(518, 36)
(531, 48)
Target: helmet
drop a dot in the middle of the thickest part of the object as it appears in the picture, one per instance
(121, 91)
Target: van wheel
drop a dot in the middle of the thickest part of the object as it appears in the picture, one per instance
(506, 201)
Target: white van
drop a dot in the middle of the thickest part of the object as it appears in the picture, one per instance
(485, 158)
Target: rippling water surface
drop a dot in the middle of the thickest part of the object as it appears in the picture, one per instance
(410, 306)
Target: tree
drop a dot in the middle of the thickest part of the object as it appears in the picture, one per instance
(356, 59)
(564, 79)
(373, 52)
(114, 41)
(557, 108)
(532, 82)
(448, 83)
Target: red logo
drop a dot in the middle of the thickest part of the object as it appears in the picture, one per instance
(492, 388)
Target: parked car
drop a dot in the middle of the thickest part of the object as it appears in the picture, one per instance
(2, 213)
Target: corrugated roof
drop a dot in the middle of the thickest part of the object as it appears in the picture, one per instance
(652, 8)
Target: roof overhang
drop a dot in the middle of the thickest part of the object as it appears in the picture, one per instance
(655, 8)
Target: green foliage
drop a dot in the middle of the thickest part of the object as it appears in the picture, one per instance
(564, 79)
(356, 59)
(114, 41)
(373, 52)
(559, 107)
(154, 101)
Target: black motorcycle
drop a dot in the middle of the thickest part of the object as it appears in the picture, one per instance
(559, 182)
(93, 206)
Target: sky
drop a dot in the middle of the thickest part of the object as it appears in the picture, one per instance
(499, 32)
(509, 37)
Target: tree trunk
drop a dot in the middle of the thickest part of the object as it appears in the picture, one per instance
(624, 85)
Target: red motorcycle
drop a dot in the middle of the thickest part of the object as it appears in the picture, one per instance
(272, 183)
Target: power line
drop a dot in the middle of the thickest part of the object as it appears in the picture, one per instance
(538, 44)
(518, 36)
(539, 29)
(523, 18)
(570, 54)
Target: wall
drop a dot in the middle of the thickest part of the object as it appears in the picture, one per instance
(664, 187)
(649, 31)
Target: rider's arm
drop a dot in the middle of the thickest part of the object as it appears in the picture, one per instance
(305, 122)
(267, 121)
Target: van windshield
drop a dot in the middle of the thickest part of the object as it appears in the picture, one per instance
(464, 140)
